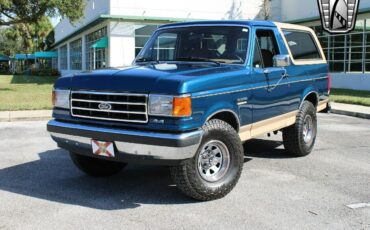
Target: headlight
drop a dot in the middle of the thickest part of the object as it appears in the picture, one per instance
(60, 98)
(174, 106)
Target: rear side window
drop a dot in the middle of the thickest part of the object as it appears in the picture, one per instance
(302, 45)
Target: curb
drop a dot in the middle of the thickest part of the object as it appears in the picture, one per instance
(350, 113)
(32, 115)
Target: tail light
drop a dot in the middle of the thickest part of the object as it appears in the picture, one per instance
(329, 83)
(53, 98)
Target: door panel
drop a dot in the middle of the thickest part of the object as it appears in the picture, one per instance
(271, 96)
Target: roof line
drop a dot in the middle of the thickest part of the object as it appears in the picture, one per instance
(144, 18)
(222, 22)
(104, 17)
(315, 18)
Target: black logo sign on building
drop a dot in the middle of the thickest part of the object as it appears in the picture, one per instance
(338, 16)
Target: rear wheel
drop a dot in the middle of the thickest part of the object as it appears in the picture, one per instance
(216, 167)
(96, 167)
(299, 139)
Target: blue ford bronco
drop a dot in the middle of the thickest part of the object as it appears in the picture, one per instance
(193, 95)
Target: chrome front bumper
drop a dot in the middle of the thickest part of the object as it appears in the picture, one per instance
(130, 145)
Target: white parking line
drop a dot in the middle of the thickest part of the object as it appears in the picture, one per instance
(359, 205)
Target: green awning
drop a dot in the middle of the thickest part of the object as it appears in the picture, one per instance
(101, 43)
(24, 56)
(4, 58)
(46, 55)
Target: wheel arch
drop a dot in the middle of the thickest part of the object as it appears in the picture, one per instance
(311, 96)
(227, 115)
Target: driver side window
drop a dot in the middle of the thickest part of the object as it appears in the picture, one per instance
(267, 47)
(257, 56)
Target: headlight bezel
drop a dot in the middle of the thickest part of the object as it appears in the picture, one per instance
(61, 98)
(164, 105)
(157, 100)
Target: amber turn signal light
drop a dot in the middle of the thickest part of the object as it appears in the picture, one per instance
(181, 106)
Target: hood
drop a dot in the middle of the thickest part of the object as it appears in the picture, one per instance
(156, 78)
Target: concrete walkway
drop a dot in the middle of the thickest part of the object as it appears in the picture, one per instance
(28, 115)
(351, 110)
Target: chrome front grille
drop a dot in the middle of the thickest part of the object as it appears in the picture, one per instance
(125, 107)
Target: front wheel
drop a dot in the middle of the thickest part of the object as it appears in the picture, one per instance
(216, 167)
(300, 138)
(96, 167)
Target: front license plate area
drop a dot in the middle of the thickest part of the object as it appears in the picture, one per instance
(102, 148)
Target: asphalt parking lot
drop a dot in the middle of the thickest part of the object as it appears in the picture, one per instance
(40, 188)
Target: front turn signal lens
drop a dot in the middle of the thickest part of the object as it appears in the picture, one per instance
(181, 107)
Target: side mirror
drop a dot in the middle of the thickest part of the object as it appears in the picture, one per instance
(281, 60)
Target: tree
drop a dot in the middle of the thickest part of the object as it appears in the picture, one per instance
(9, 47)
(265, 12)
(234, 11)
(26, 38)
(49, 40)
(31, 11)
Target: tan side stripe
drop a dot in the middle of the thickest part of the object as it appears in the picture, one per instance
(322, 105)
(245, 132)
(269, 125)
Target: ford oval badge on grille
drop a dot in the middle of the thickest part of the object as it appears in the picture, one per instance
(105, 106)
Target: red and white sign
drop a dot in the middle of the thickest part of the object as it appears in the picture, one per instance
(103, 148)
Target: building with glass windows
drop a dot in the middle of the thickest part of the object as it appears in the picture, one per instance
(113, 32)
(347, 54)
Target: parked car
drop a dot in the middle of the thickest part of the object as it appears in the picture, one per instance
(194, 94)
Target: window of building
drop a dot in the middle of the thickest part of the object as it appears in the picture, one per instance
(75, 54)
(63, 57)
(337, 53)
(96, 58)
(367, 46)
(242, 44)
(164, 48)
(349, 52)
(142, 35)
(54, 61)
(301, 45)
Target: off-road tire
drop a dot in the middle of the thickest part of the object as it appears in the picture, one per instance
(96, 167)
(293, 137)
(187, 176)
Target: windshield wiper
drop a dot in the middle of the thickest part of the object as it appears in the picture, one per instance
(144, 60)
(193, 59)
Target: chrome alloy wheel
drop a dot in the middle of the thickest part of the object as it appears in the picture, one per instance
(308, 129)
(213, 161)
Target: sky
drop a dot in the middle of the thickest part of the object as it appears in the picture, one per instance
(55, 20)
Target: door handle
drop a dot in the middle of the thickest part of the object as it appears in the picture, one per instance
(285, 74)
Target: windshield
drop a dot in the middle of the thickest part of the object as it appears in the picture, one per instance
(216, 44)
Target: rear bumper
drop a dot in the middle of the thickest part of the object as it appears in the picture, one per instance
(130, 145)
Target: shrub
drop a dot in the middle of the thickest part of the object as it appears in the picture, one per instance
(45, 72)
